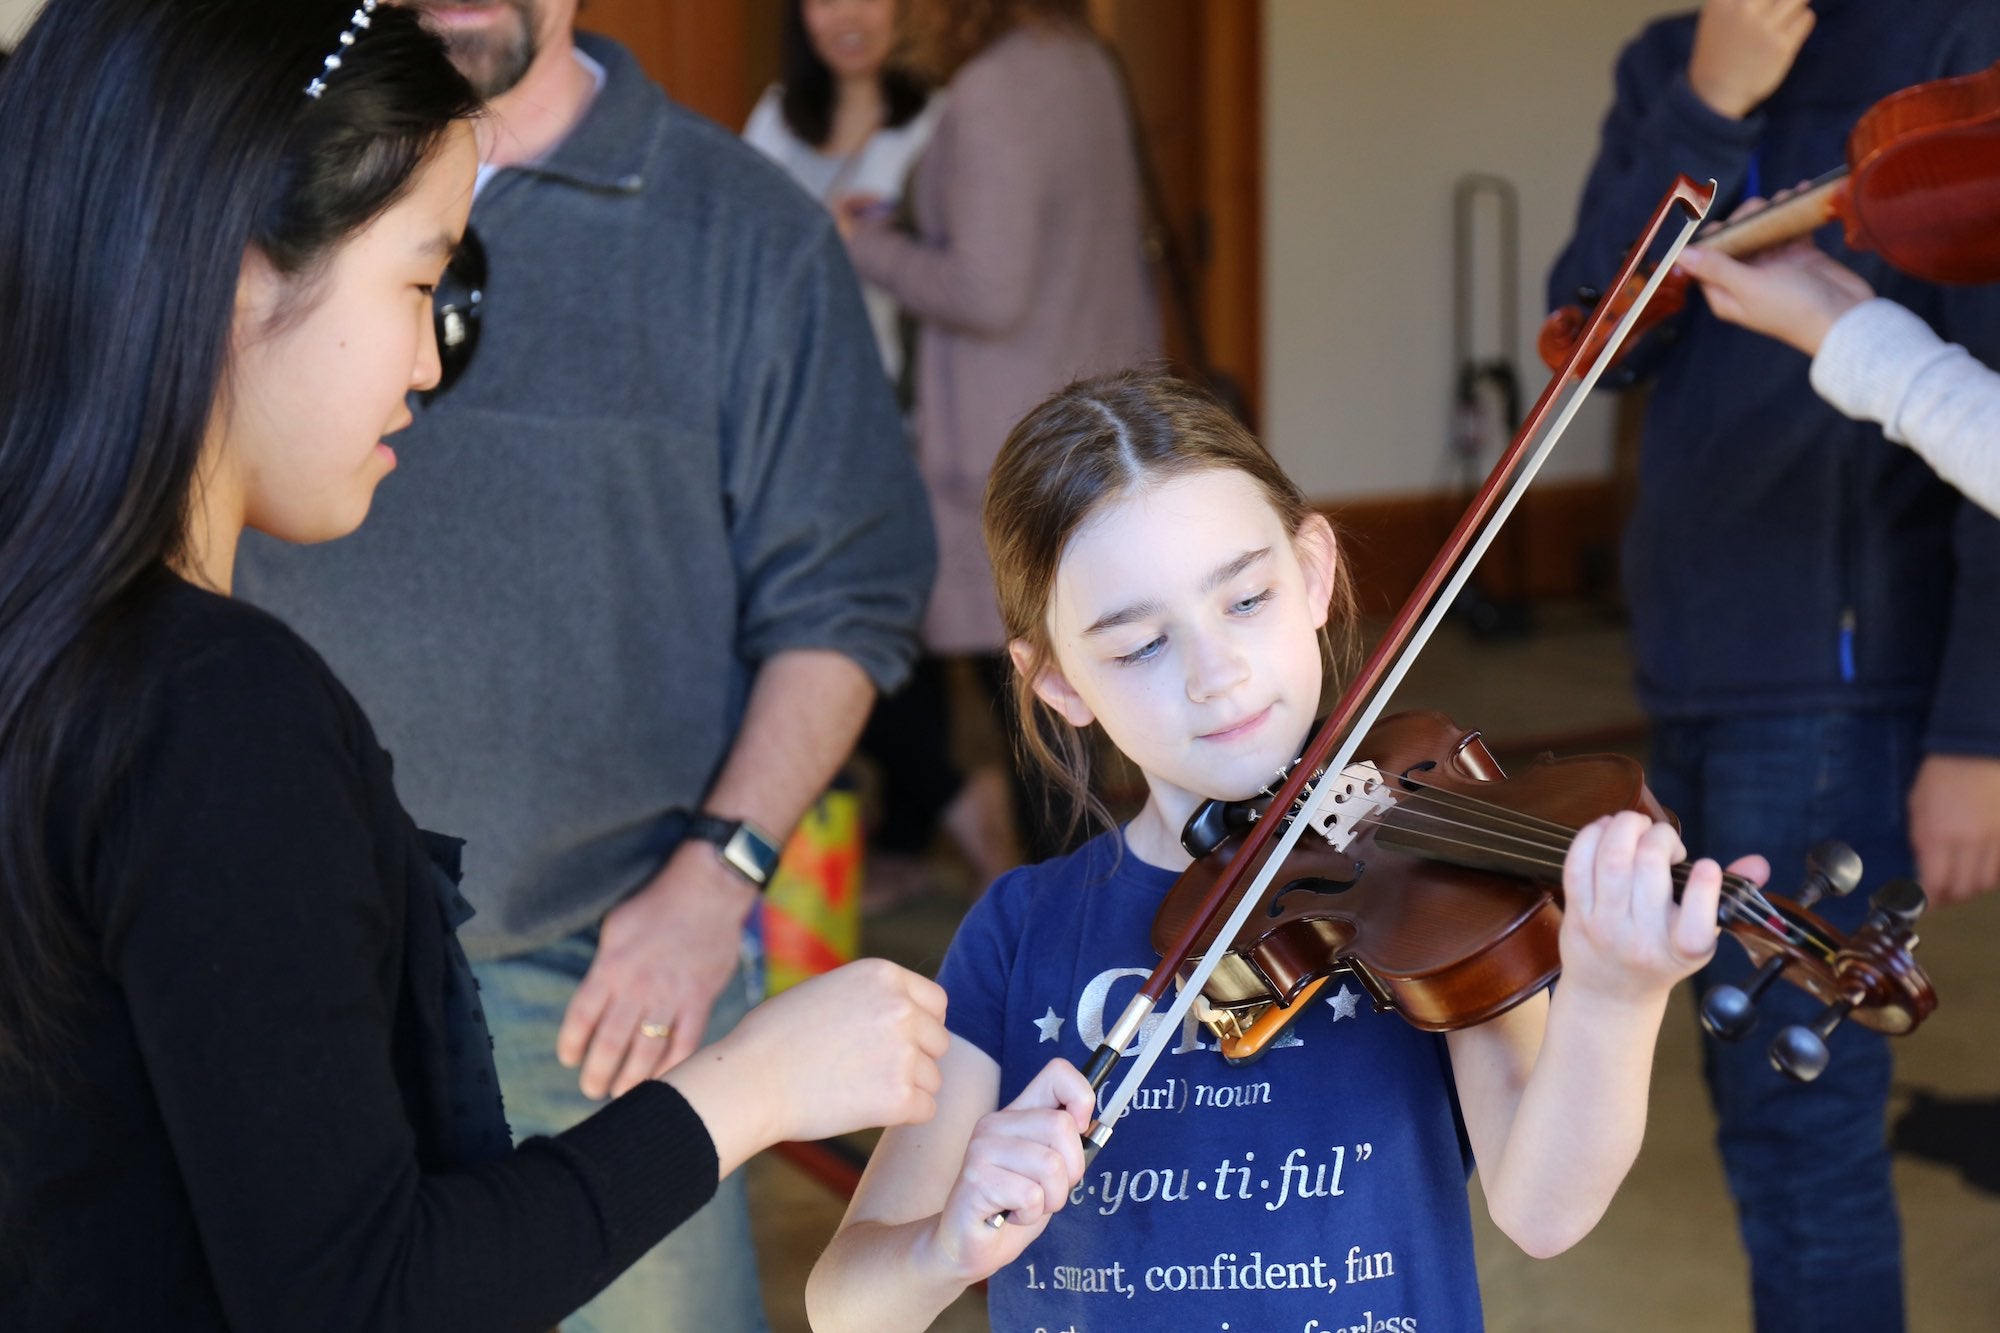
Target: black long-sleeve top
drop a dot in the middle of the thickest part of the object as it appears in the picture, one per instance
(251, 1122)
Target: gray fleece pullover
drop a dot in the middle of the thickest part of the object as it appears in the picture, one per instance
(673, 455)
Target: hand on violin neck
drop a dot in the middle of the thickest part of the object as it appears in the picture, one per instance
(1624, 937)
(1743, 49)
(1555, 1096)
(1794, 293)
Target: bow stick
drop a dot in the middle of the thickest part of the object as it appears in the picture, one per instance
(1371, 689)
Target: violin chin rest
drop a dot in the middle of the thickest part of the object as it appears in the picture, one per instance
(1242, 1044)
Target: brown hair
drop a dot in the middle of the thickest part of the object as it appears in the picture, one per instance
(944, 34)
(1091, 443)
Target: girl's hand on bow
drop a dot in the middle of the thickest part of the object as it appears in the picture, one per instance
(1020, 1165)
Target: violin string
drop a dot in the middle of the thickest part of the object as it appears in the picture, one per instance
(1744, 899)
(1741, 901)
(1729, 908)
(1501, 814)
(1741, 898)
(1550, 863)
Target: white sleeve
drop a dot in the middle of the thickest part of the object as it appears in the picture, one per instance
(765, 130)
(1880, 362)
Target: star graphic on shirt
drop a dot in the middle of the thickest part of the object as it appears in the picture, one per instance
(1049, 1025)
(1343, 1003)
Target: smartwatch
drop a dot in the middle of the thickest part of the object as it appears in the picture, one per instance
(745, 848)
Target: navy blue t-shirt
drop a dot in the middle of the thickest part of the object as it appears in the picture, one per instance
(1320, 1189)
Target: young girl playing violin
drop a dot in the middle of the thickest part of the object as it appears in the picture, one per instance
(1160, 577)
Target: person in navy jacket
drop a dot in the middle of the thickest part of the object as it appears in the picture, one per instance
(1813, 611)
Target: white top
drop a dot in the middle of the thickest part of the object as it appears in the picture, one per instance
(880, 167)
(1880, 362)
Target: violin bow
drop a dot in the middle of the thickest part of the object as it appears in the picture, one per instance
(1372, 687)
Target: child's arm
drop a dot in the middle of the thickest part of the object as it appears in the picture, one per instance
(1872, 359)
(1554, 1091)
(916, 1233)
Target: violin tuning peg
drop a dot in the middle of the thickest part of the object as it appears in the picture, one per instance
(1832, 867)
(1588, 296)
(1799, 1054)
(1729, 1012)
(1898, 904)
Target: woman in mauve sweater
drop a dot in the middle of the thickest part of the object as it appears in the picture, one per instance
(1027, 271)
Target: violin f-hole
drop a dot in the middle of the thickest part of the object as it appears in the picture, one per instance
(1404, 777)
(1320, 884)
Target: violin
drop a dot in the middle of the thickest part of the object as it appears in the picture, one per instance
(1434, 879)
(1921, 188)
(1380, 779)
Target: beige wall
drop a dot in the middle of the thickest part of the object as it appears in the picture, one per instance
(14, 16)
(1373, 110)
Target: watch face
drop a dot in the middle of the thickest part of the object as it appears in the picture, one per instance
(743, 847)
(754, 857)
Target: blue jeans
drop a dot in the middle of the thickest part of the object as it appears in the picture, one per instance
(1808, 1164)
(703, 1277)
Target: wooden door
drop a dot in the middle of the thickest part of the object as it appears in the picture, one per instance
(712, 55)
(1197, 78)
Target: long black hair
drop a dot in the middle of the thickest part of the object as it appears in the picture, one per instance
(809, 90)
(150, 145)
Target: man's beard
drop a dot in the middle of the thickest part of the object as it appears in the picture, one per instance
(494, 61)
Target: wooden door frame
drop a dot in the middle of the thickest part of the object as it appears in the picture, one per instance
(696, 49)
(1220, 225)
(1232, 294)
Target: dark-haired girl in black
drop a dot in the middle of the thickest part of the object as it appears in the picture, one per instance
(244, 1081)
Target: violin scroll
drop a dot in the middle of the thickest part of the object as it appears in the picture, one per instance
(1564, 328)
(1869, 976)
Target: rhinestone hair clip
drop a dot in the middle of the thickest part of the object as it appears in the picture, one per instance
(362, 20)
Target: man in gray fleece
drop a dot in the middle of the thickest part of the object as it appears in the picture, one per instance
(651, 556)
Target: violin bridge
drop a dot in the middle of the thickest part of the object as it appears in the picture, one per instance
(1360, 791)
